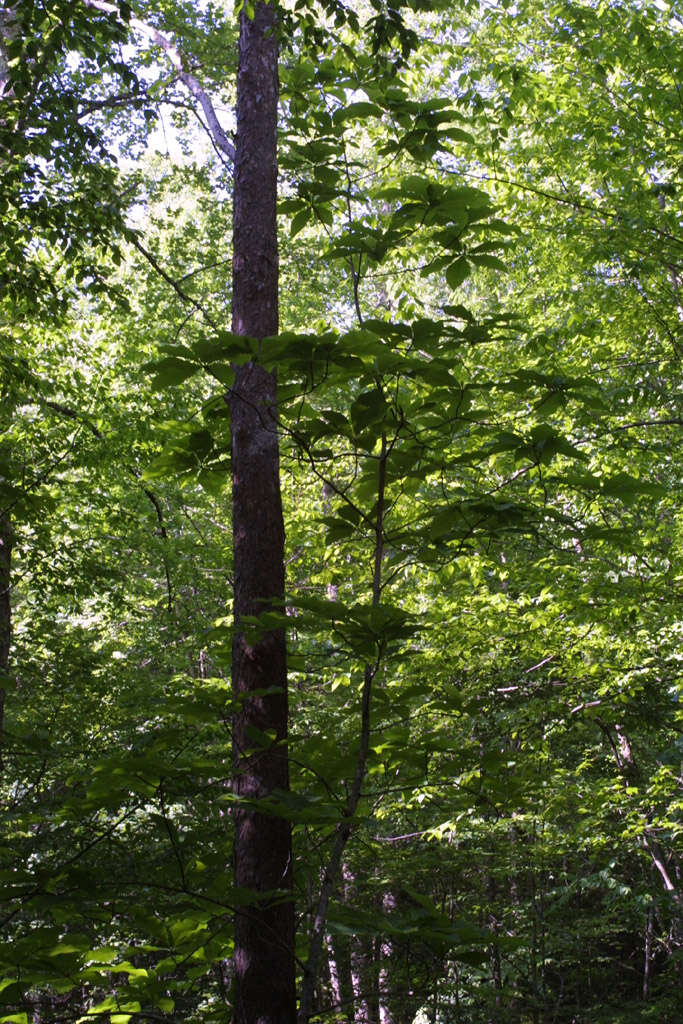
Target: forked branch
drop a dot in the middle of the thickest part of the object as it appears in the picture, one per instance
(218, 134)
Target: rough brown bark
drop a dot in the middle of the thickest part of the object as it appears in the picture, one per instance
(264, 990)
(7, 30)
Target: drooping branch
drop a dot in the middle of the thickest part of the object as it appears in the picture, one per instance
(630, 772)
(154, 263)
(160, 39)
(163, 533)
(75, 414)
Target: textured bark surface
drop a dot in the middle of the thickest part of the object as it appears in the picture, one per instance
(7, 28)
(264, 991)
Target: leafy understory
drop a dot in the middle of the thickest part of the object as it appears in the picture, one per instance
(479, 422)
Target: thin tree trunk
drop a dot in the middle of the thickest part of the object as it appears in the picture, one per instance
(340, 970)
(495, 948)
(649, 922)
(335, 975)
(264, 930)
(387, 969)
(361, 975)
(5, 617)
(534, 944)
(374, 957)
(344, 828)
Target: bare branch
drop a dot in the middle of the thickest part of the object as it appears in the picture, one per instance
(152, 260)
(216, 131)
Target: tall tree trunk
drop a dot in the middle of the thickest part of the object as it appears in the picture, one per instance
(264, 930)
(8, 30)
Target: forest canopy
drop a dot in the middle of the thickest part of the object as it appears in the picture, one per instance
(341, 544)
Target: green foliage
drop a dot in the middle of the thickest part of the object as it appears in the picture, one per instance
(479, 418)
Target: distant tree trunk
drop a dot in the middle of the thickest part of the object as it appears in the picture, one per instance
(374, 956)
(264, 930)
(340, 972)
(494, 927)
(339, 946)
(388, 975)
(364, 974)
(8, 30)
(399, 967)
(5, 617)
(649, 922)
